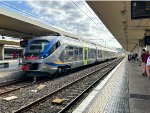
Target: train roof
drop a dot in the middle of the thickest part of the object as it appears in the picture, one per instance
(12, 47)
(86, 41)
(80, 41)
(76, 42)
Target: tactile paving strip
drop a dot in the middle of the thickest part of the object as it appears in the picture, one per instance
(114, 98)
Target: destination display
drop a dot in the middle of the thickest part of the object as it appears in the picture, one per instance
(147, 40)
(140, 9)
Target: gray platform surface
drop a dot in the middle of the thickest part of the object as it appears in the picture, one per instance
(139, 89)
(127, 91)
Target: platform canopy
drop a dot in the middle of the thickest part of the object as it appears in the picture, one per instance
(15, 25)
(116, 15)
(8, 42)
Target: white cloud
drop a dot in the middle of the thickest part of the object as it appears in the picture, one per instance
(69, 16)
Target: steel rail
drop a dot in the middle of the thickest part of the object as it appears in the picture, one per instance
(24, 86)
(10, 82)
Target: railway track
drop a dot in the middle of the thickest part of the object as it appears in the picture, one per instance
(8, 83)
(8, 87)
(12, 86)
(69, 93)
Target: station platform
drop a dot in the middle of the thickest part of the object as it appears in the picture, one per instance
(12, 72)
(124, 90)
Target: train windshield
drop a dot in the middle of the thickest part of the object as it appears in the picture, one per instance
(36, 47)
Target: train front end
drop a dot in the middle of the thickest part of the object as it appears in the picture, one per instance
(37, 56)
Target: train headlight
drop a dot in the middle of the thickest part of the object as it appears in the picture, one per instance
(44, 56)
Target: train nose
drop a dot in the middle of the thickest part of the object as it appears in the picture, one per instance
(30, 66)
(34, 66)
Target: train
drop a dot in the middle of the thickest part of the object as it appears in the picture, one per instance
(57, 54)
(12, 52)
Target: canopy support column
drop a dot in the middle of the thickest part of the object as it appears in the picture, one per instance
(1, 51)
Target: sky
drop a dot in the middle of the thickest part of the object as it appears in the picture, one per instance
(71, 15)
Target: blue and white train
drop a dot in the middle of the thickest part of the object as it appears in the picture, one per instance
(56, 54)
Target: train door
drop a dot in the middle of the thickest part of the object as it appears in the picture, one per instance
(96, 54)
(85, 55)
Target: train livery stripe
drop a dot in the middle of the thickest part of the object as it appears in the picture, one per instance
(54, 64)
(58, 63)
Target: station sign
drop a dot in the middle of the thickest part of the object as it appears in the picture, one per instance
(140, 9)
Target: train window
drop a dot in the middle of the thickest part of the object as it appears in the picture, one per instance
(52, 49)
(58, 44)
(80, 54)
(100, 53)
(89, 53)
(71, 53)
(107, 53)
(92, 54)
(11, 53)
(64, 55)
(75, 56)
(76, 51)
(38, 45)
(104, 53)
(80, 51)
(70, 47)
(71, 50)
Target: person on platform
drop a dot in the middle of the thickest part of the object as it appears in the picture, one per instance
(148, 66)
(129, 57)
(144, 57)
(136, 56)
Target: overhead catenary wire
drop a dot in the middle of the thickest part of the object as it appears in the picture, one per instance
(89, 17)
(91, 12)
(95, 16)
